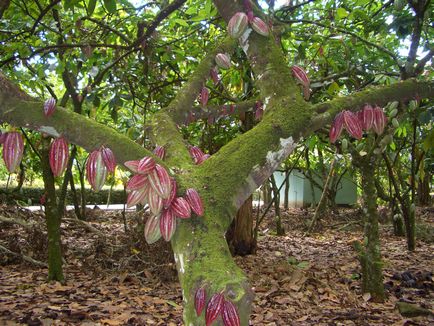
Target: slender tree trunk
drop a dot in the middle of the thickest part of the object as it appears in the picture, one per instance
(423, 191)
(240, 235)
(370, 255)
(408, 211)
(286, 199)
(52, 217)
(82, 192)
(276, 199)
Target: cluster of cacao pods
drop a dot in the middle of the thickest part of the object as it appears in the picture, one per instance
(368, 118)
(151, 184)
(13, 149)
(217, 305)
(238, 23)
(197, 155)
(301, 76)
(99, 164)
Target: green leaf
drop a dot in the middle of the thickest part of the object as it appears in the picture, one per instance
(91, 6)
(341, 13)
(110, 5)
(181, 22)
(333, 88)
(428, 143)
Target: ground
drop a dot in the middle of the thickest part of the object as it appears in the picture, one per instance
(115, 278)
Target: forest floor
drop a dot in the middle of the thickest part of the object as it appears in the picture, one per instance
(114, 278)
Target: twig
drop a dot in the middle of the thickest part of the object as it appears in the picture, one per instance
(23, 257)
(18, 221)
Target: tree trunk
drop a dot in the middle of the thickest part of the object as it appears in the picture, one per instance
(408, 211)
(423, 191)
(286, 199)
(370, 255)
(52, 217)
(240, 234)
(276, 200)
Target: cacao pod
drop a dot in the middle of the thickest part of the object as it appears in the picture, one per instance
(214, 307)
(181, 208)
(223, 60)
(2, 137)
(152, 229)
(167, 224)
(137, 181)
(199, 300)
(195, 202)
(395, 123)
(13, 148)
(337, 127)
(132, 165)
(136, 197)
(146, 165)
(230, 314)
(214, 76)
(367, 117)
(237, 25)
(202, 159)
(302, 77)
(160, 152)
(259, 26)
(352, 124)
(155, 202)
(109, 159)
(96, 171)
(393, 113)
(195, 153)
(204, 96)
(173, 189)
(58, 156)
(380, 120)
(49, 107)
(159, 180)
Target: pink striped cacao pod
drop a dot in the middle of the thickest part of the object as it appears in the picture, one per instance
(136, 197)
(259, 111)
(259, 26)
(181, 208)
(195, 202)
(173, 189)
(155, 202)
(204, 96)
(202, 159)
(199, 300)
(367, 117)
(152, 229)
(195, 153)
(49, 107)
(223, 60)
(167, 224)
(159, 180)
(13, 148)
(109, 159)
(352, 124)
(146, 165)
(96, 171)
(132, 165)
(302, 77)
(160, 152)
(230, 314)
(380, 120)
(214, 76)
(2, 137)
(337, 127)
(137, 182)
(237, 25)
(214, 307)
(58, 156)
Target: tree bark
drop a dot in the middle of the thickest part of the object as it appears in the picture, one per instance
(276, 200)
(52, 216)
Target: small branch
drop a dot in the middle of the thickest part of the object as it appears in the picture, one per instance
(23, 257)
(85, 225)
(18, 221)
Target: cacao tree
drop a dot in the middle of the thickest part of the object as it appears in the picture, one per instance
(214, 289)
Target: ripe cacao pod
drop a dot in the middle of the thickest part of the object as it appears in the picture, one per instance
(195, 202)
(195, 153)
(337, 127)
(13, 148)
(380, 120)
(136, 197)
(173, 189)
(159, 180)
(202, 159)
(367, 117)
(160, 152)
(155, 202)
(223, 60)
(167, 224)
(230, 314)
(137, 181)
(237, 25)
(132, 165)
(214, 307)
(96, 171)
(259, 26)
(199, 300)
(214, 76)
(181, 208)
(301, 76)
(152, 229)
(58, 156)
(146, 165)
(49, 107)
(109, 159)
(352, 124)
(204, 96)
